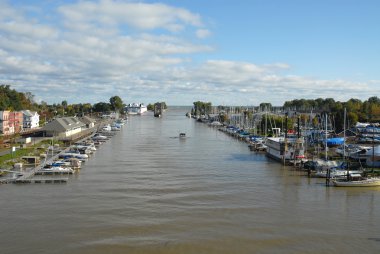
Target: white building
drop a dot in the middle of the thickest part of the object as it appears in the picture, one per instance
(31, 119)
(64, 127)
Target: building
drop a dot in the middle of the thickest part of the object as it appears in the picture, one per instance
(88, 121)
(10, 122)
(4, 123)
(64, 127)
(31, 119)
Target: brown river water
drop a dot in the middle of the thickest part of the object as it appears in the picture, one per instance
(147, 191)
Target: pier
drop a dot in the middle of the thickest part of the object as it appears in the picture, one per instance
(41, 180)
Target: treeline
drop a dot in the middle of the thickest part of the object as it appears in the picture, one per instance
(151, 105)
(357, 110)
(10, 99)
(201, 108)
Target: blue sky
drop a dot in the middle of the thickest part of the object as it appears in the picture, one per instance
(225, 52)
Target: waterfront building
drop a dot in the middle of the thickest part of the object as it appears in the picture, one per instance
(10, 122)
(64, 127)
(88, 121)
(31, 119)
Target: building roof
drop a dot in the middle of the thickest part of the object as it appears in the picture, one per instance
(29, 113)
(87, 120)
(63, 124)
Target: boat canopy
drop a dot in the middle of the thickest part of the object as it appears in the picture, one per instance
(335, 141)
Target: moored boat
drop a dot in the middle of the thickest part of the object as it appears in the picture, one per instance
(284, 149)
(356, 180)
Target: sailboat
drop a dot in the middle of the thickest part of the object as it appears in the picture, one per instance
(355, 179)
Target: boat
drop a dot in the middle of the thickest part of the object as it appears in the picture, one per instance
(98, 137)
(73, 154)
(56, 170)
(90, 147)
(182, 135)
(121, 121)
(257, 146)
(357, 180)
(136, 109)
(335, 173)
(284, 149)
(107, 128)
(60, 163)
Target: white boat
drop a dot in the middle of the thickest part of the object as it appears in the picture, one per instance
(257, 146)
(106, 128)
(136, 109)
(60, 163)
(115, 128)
(284, 150)
(90, 147)
(57, 169)
(98, 137)
(335, 173)
(356, 180)
(74, 155)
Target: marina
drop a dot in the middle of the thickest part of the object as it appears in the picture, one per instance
(72, 156)
(146, 193)
(189, 127)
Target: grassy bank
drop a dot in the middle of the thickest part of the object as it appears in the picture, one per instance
(8, 160)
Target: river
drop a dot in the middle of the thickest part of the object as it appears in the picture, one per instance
(147, 191)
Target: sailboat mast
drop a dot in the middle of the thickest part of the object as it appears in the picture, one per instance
(344, 134)
(326, 137)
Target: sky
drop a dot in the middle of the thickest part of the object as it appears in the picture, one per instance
(227, 52)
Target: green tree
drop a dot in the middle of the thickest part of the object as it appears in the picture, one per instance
(116, 103)
(102, 107)
(10, 99)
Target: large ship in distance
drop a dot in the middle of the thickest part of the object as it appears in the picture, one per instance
(136, 109)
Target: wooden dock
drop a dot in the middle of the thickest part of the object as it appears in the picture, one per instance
(41, 180)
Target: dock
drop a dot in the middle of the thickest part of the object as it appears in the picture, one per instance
(41, 180)
(50, 176)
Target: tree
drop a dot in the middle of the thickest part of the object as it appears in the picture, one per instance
(116, 103)
(265, 106)
(202, 108)
(10, 99)
(101, 107)
(150, 107)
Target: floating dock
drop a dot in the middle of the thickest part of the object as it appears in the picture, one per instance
(41, 180)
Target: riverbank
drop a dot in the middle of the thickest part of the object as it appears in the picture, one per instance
(45, 152)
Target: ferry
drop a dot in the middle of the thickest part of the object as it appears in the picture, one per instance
(136, 109)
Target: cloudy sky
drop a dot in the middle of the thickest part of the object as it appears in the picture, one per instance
(228, 52)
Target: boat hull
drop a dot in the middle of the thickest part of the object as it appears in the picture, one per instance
(359, 183)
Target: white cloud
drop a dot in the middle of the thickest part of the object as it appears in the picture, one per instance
(203, 33)
(102, 48)
(137, 15)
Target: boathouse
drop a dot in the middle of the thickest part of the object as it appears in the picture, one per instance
(88, 121)
(64, 127)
